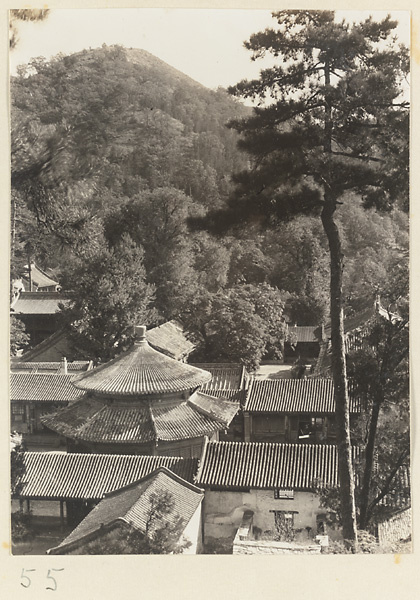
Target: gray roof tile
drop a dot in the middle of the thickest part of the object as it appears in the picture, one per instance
(238, 465)
(142, 371)
(43, 387)
(294, 396)
(59, 475)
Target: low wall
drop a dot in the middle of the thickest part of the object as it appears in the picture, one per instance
(271, 547)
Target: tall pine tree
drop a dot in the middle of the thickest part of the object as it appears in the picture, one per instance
(329, 119)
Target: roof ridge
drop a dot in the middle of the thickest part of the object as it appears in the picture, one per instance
(152, 475)
(275, 444)
(88, 454)
(203, 411)
(81, 428)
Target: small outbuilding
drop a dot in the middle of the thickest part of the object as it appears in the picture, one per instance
(278, 484)
(134, 507)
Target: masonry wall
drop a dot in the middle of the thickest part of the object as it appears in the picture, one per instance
(223, 511)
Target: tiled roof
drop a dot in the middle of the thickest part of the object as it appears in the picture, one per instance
(92, 420)
(169, 338)
(217, 408)
(59, 475)
(43, 387)
(57, 367)
(224, 376)
(142, 371)
(132, 505)
(182, 422)
(38, 303)
(39, 277)
(238, 465)
(237, 396)
(303, 334)
(293, 396)
(58, 340)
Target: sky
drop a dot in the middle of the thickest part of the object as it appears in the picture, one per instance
(206, 44)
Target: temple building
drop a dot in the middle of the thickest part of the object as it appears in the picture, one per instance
(142, 402)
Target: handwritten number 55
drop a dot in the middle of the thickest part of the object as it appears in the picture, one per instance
(28, 581)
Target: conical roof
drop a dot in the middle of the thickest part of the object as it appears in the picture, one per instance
(141, 371)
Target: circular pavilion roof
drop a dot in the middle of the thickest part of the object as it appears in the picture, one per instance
(141, 371)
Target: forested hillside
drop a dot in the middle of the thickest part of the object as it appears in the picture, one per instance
(112, 152)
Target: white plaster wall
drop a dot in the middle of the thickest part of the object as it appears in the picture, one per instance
(192, 532)
(223, 510)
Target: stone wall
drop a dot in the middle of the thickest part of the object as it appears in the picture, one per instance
(395, 529)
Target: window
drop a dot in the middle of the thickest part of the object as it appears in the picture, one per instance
(284, 518)
(18, 412)
(283, 494)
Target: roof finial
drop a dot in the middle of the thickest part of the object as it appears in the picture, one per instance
(140, 333)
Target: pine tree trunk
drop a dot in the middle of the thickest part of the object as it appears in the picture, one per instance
(29, 271)
(13, 219)
(367, 473)
(345, 467)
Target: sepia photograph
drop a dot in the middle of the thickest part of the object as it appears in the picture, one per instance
(209, 282)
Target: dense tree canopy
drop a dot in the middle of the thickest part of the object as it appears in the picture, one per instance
(241, 324)
(113, 141)
(108, 297)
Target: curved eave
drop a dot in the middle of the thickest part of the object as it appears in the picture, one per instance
(113, 392)
(92, 421)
